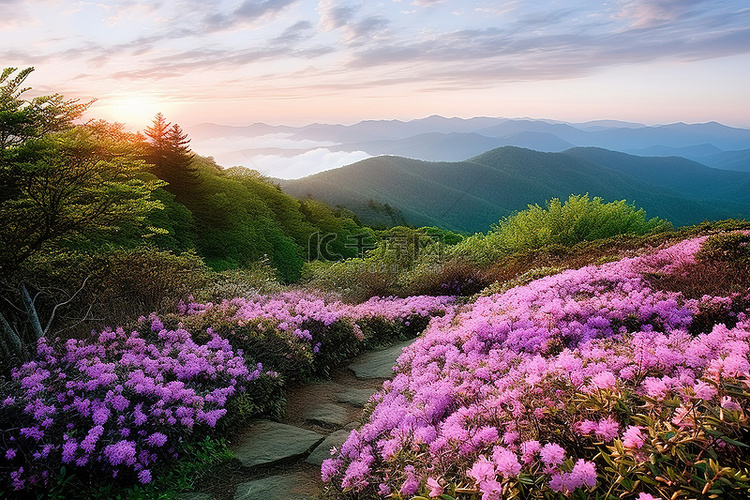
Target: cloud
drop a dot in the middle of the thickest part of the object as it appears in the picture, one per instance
(559, 44)
(13, 13)
(372, 45)
(248, 11)
(649, 13)
(426, 3)
(333, 15)
(252, 9)
(336, 16)
(295, 167)
(298, 32)
(239, 143)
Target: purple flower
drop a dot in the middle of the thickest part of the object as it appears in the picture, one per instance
(144, 476)
(482, 470)
(121, 452)
(157, 439)
(506, 462)
(552, 454)
(435, 488)
(633, 437)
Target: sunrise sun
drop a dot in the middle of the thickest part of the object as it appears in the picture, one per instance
(136, 111)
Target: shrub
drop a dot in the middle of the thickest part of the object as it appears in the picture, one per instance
(452, 277)
(258, 279)
(302, 335)
(578, 219)
(558, 224)
(115, 405)
(584, 383)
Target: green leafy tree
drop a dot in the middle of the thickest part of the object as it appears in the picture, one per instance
(22, 119)
(67, 186)
(61, 184)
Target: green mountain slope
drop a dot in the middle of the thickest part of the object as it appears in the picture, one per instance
(473, 194)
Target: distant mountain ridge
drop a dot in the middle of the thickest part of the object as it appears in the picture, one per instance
(473, 194)
(437, 138)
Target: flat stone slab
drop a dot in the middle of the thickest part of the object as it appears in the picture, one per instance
(195, 496)
(355, 397)
(378, 364)
(269, 442)
(323, 451)
(328, 414)
(287, 487)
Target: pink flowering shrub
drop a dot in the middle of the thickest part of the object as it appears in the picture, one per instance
(116, 405)
(586, 383)
(300, 334)
(120, 403)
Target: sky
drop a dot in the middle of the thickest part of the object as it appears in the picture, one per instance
(297, 62)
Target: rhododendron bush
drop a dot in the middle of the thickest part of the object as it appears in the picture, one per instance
(584, 384)
(121, 402)
(299, 333)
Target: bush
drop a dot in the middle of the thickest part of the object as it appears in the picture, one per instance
(118, 283)
(116, 405)
(301, 335)
(578, 219)
(258, 279)
(582, 384)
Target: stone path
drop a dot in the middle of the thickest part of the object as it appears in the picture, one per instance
(281, 461)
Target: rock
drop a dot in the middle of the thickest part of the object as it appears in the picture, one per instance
(378, 364)
(195, 495)
(269, 442)
(356, 397)
(323, 451)
(287, 487)
(328, 415)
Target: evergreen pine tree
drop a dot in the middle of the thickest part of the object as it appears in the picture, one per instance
(169, 153)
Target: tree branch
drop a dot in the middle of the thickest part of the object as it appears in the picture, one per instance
(54, 309)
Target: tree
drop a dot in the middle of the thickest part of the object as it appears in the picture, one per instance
(60, 184)
(169, 152)
(69, 185)
(21, 120)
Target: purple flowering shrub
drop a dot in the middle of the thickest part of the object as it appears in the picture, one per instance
(116, 405)
(584, 383)
(299, 334)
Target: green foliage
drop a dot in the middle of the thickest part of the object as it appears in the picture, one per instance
(702, 453)
(338, 234)
(726, 247)
(169, 155)
(429, 261)
(200, 457)
(578, 219)
(236, 228)
(22, 120)
(388, 268)
(258, 279)
(67, 186)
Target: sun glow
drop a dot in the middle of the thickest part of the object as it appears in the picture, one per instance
(135, 111)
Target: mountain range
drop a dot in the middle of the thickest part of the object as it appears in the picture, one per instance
(437, 138)
(472, 194)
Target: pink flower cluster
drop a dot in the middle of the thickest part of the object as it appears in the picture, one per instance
(118, 402)
(298, 313)
(292, 309)
(494, 386)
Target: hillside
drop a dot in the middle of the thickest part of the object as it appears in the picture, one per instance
(436, 138)
(471, 195)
